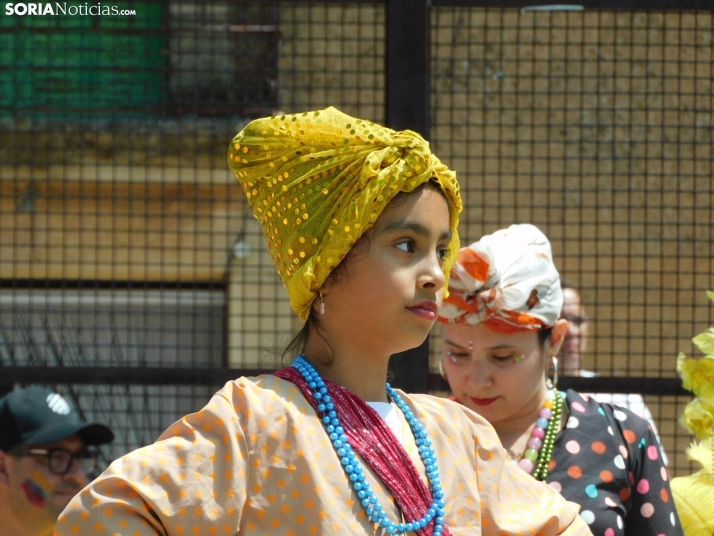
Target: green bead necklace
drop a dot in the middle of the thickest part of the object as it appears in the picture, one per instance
(546, 452)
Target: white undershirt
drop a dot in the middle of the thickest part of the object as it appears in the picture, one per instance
(389, 412)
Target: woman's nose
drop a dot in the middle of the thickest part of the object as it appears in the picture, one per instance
(432, 277)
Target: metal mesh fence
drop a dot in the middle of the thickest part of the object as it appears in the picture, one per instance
(333, 56)
(118, 215)
(329, 56)
(125, 242)
(137, 414)
(594, 126)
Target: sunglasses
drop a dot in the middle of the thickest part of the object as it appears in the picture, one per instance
(577, 320)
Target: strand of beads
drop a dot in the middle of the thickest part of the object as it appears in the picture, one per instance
(542, 434)
(546, 452)
(375, 511)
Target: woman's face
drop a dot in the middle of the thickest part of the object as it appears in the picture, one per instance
(388, 298)
(499, 376)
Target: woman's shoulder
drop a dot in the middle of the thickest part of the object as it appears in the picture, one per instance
(447, 413)
(259, 390)
(582, 406)
(436, 404)
(247, 403)
(263, 382)
(625, 430)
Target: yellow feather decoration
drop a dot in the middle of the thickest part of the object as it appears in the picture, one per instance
(694, 494)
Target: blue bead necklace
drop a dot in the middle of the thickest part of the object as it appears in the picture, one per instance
(374, 510)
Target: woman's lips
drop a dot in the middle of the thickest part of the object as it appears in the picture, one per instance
(483, 401)
(426, 310)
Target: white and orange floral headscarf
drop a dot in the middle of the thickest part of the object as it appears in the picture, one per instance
(506, 280)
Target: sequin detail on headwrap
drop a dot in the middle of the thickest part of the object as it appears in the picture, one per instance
(506, 280)
(316, 181)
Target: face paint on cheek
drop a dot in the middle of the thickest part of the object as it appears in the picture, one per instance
(37, 489)
(34, 493)
(42, 481)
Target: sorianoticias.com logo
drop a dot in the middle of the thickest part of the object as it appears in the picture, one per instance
(63, 8)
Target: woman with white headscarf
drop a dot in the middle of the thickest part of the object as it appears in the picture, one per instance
(501, 335)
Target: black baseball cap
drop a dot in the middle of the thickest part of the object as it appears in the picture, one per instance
(36, 415)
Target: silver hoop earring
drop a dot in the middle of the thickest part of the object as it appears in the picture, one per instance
(552, 384)
(321, 310)
(441, 367)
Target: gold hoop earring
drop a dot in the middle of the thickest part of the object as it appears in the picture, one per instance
(441, 367)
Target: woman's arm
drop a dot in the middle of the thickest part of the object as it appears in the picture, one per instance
(512, 501)
(652, 510)
(191, 481)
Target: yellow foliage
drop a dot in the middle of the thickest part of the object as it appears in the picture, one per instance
(698, 377)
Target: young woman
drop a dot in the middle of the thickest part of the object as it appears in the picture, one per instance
(501, 334)
(361, 224)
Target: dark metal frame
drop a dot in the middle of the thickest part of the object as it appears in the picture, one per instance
(614, 5)
(407, 83)
(218, 376)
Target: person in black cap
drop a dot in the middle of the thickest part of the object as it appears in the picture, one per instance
(43, 454)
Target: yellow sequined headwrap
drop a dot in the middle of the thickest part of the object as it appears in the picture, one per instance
(316, 181)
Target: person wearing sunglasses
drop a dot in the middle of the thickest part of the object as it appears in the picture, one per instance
(45, 459)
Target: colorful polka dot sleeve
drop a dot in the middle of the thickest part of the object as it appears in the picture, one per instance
(608, 461)
(256, 461)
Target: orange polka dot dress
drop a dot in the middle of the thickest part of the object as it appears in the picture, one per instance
(608, 460)
(257, 461)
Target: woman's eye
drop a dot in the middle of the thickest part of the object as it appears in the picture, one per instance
(458, 355)
(503, 358)
(442, 254)
(407, 246)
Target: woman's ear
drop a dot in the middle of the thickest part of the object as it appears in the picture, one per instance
(318, 304)
(557, 336)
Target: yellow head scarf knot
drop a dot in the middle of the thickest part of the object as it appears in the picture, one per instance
(316, 181)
